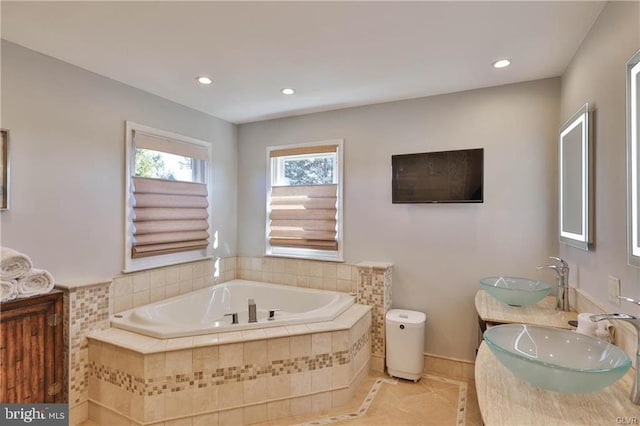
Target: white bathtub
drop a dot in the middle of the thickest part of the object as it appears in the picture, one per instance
(202, 311)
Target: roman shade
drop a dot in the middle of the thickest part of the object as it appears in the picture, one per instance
(168, 217)
(303, 216)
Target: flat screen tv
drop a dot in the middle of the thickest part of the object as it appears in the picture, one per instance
(438, 177)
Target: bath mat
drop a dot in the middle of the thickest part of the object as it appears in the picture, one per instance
(369, 399)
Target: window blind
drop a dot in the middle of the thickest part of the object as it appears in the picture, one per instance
(158, 143)
(168, 217)
(303, 216)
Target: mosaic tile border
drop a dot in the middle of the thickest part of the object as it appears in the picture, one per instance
(374, 289)
(88, 311)
(221, 376)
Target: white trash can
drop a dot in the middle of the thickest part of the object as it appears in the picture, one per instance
(405, 343)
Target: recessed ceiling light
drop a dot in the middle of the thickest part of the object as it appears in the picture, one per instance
(288, 91)
(502, 63)
(203, 79)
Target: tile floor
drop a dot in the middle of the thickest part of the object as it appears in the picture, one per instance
(379, 400)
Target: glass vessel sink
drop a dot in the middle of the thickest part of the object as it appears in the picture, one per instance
(516, 291)
(556, 359)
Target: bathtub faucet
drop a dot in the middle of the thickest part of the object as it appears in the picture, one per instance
(634, 321)
(234, 317)
(252, 311)
(562, 270)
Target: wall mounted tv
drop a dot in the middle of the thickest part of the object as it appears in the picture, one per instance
(438, 177)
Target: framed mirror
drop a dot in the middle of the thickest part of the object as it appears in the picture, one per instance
(4, 169)
(633, 129)
(575, 175)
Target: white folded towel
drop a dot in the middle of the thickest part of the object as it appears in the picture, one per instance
(8, 290)
(13, 264)
(605, 331)
(586, 326)
(36, 281)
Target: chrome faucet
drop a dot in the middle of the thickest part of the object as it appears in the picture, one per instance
(634, 321)
(562, 270)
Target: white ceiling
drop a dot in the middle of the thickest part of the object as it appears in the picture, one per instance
(335, 54)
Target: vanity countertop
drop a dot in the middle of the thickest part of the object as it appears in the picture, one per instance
(541, 313)
(505, 399)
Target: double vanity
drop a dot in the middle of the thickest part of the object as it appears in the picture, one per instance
(507, 399)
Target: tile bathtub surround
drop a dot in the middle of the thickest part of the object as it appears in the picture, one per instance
(140, 288)
(298, 272)
(374, 289)
(249, 381)
(86, 311)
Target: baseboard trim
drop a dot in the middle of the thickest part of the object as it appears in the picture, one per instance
(449, 367)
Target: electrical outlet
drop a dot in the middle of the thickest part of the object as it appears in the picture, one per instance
(614, 290)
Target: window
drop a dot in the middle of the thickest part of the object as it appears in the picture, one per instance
(304, 201)
(167, 210)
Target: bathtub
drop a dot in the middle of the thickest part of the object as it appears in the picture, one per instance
(203, 311)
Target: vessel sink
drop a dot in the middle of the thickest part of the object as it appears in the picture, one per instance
(516, 291)
(556, 359)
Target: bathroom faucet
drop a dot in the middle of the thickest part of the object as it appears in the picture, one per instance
(635, 321)
(562, 270)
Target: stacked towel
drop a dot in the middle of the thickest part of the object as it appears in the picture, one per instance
(601, 329)
(18, 278)
(8, 290)
(13, 264)
(36, 281)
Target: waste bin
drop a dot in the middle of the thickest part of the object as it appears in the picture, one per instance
(405, 343)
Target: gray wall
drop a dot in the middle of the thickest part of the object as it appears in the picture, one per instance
(439, 251)
(597, 75)
(67, 150)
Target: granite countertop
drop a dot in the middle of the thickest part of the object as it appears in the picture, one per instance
(505, 399)
(542, 313)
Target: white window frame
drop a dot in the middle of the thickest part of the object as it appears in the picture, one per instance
(140, 264)
(338, 177)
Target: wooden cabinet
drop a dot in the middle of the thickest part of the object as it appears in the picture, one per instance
(31, 350)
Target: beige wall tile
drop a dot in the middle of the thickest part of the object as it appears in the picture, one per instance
(205, 359)
(178, 403)
(302, 281)
(330, 270)
(321, 379)
(205, 399)
(255, 414)
(343, 272)
(300, 383)
(244, 263)
(141, 282)
(122, 286)
(178, 362)
(141, 298)
(153, 408)
(256, 264)
(230, 394)
(206, 420)
(290, 279)
(230, 355)
(154, 365)
(300, 346)
(255, 352)
(443, 367)
(278, 410)
(187, 421)
(185, 272)
(343, 285)
(340, 376)
(320, 343)
(231, 417)
(122, 303)
(198, 283)
(315, 282)
(171, 275)
(186, 286)
(278, 386)
(267, 276)
(172, 290)
(278, 265)
(255, 390)
(198, 270)
(278, 349)
(156, 278)
(267, 264)
(303, 267)
(315, 269)
(340, 340)
(156, 294)
(300, 405)
(78, 414)
(330, 284)
(256, 275)
(277, 277)
(290, 266)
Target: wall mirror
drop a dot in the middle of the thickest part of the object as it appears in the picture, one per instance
(575, 174)
(4, 170)
(633, 123)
